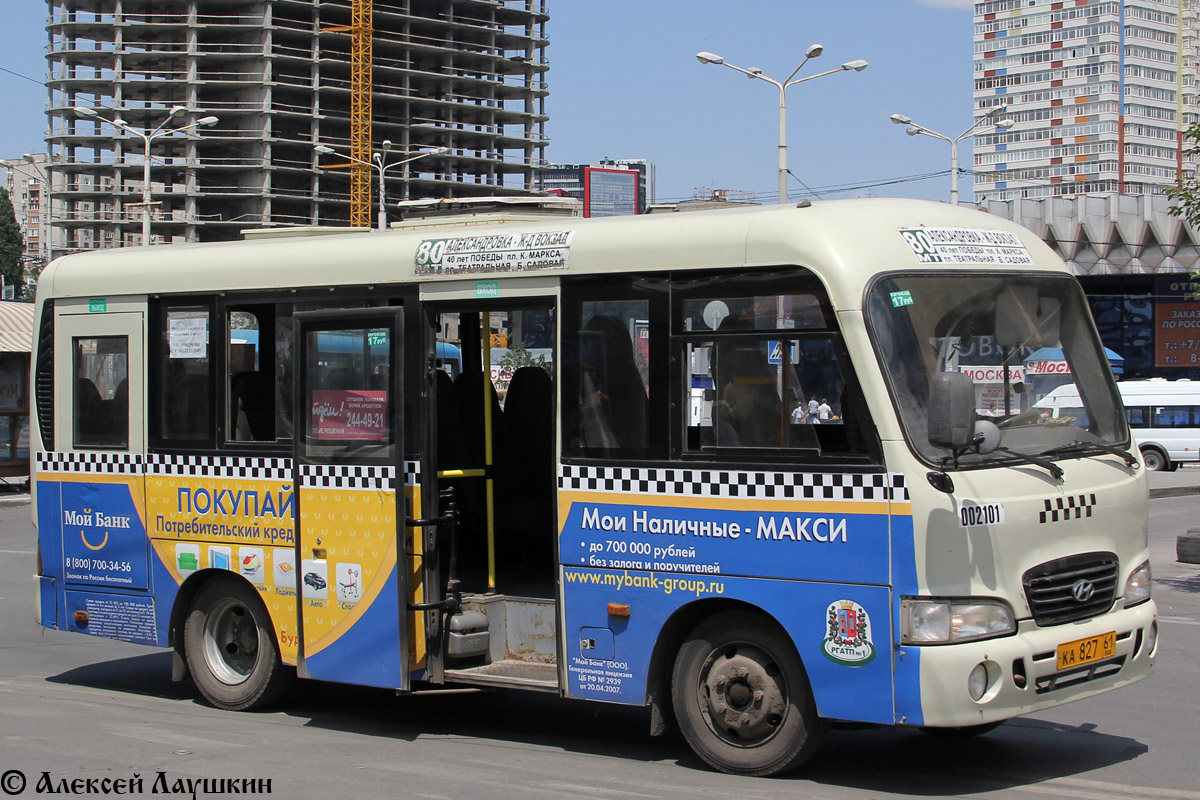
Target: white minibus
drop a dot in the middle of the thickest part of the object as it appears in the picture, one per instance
(326, 501)
(1164, 418)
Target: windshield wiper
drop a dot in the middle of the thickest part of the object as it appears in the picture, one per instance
(1054, 470)
(1081, 448)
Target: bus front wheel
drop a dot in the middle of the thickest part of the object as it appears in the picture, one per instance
(230, 647)
(742, 699)
(1154, 459)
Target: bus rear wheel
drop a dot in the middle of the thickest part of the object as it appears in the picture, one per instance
(742, 699)
(230, 647)
(1154, 459)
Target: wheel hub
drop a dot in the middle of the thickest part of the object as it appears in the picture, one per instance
(230, 642)
(745, 698)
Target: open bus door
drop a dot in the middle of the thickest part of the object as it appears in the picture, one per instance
(350, 560)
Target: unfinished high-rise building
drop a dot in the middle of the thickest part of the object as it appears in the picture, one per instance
(467, 75)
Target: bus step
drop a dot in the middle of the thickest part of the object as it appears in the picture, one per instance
(509, 673)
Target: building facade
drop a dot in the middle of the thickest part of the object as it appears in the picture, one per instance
(462, 74)
(1100, 92)
(25, 180)
(601, 184)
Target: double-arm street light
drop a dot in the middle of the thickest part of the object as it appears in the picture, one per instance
(377, 161)
(147, 137)
(916, 130)
(754, 72)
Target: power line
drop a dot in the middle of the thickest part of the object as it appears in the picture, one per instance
(19, 75)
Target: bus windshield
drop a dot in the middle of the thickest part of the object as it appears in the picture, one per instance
(1017, 338)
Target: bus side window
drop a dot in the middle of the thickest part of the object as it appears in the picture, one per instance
(606, 379)
(761, 366)
(101, 392)
(1137, 416)
(182, 399)
(253, 378)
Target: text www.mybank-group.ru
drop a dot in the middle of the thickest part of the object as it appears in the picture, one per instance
(666, 585)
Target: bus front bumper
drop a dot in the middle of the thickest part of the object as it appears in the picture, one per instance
(1023, 671)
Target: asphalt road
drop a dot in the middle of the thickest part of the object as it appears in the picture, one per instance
(77, 707)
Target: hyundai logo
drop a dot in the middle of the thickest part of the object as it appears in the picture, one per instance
(1083, 590)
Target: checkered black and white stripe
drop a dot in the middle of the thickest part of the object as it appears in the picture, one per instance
(257, 469)
(1061, 509)
(412, 473)
(90, 463)
(702, 482)
(324, 476)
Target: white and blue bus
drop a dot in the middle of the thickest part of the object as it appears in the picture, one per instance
(644, 521)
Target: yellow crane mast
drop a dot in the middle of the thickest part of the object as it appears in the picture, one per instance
(361, 30)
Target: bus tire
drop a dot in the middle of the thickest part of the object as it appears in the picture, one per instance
(742, 698)
(1155, 459)
(230, 647)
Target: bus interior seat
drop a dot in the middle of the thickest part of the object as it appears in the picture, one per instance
(251, 401)
(747, 389)
(119, 410)
(89, 408)
(525, 492)
(529, 418)
(447, 422)
(620, 382)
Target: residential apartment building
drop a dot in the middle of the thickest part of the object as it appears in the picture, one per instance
(277, 74)
(25, 180)
(1100, 92)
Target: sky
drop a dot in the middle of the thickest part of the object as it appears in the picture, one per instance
(624, 83)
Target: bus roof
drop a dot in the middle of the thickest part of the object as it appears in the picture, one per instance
(844, 241)
(1159, 388)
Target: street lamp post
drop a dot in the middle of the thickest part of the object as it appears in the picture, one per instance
(147, 137)
(377, 161)
(915, 129)
(812, 52)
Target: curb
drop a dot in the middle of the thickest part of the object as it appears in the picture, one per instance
(1173, 491)
(1187, 547)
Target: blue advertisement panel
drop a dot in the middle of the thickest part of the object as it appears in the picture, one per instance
(817, 541)
(104, 541)
(130, 618)
(841, 632)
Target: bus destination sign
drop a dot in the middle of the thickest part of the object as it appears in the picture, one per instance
(505, 252)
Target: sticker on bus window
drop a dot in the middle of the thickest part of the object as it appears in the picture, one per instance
(903, 298)
(187, 337)
(351, 414)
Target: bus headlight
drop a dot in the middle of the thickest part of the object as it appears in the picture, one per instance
(1137, 588)
(936, 621)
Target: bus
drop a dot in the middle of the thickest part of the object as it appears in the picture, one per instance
(1163, 416)
(645, 521)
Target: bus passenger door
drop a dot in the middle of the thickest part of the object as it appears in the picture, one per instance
(349, 559)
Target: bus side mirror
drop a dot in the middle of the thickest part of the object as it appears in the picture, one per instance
(951, 411)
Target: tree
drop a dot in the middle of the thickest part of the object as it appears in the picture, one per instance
(1186, 191)
(518, 356)
(12, 245)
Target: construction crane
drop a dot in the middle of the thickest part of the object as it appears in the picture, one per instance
(361, 30)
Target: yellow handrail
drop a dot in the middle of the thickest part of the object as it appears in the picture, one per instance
(486, 337)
